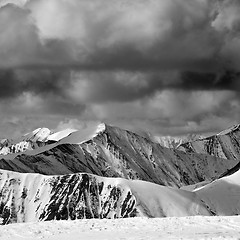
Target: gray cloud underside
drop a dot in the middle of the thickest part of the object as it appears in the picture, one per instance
(46, 40)
(104, 59)
(145, 36)
(109, 86)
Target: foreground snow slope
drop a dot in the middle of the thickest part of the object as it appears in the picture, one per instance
(34, 197)
(223, 195)
(225, 144)
(113, 152)
(132, 228)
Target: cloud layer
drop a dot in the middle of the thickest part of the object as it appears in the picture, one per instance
(110, 35)
(154, 62)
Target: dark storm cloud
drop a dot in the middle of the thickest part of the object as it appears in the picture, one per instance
(104, 86)
(63, 107)
(15, 82)
(145, 36)
(112, 35)
(101, 51)
(22, 46)
(125, 86)
(189, 37)
(20, 88)
(168, 66)
(210, 81)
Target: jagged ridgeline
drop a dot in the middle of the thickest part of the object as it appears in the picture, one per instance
(97, 173)
(34, 197)
(225, 144)
(113, 152)
(31, 197)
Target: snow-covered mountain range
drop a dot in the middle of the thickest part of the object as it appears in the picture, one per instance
(113, 152)
(33, 197)
(107, 172)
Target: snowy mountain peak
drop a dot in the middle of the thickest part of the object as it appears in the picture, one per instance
(29, 141)
(101, 127)
(44, 136)
(39, 134)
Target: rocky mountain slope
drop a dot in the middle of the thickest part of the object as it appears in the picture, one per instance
(98, 173)
(34, 197)
(113, 152)
(225, 144)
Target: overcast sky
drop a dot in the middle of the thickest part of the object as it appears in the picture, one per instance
(167, 66)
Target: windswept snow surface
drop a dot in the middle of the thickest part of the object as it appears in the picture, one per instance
(61, 134)
(126, 229)
(222, 195)
(84, 135)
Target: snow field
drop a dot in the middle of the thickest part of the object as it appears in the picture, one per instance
(197, 227)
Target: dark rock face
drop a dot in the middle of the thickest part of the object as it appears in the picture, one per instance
(65, 197)
(78, 196)
(119, 153)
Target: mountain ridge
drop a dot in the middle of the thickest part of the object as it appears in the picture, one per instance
(109, 172)
(113, 152)
(225, 144)
(34, 197)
